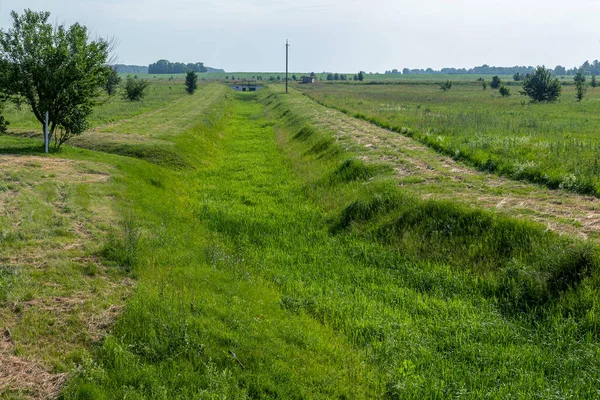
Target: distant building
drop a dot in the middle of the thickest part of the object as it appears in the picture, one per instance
(307, 79)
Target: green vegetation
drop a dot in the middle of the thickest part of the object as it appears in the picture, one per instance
(445, 86)
(191, 82)
(167, 67)
(53, 70)
(112, 82)
(135, 89)
(496, 82)
(540, 86)
(555, 144)
(274, 259)
(504, 91)
(580, 86)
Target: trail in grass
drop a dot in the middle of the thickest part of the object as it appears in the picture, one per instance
(421, 170)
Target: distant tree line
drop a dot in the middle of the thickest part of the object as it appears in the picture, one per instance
(167, 67)
(586, 68)
(131, 69)
(480, 70)
(343, 77)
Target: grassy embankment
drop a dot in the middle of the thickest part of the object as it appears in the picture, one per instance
(272, 263)
(552, 144)
(326, 281)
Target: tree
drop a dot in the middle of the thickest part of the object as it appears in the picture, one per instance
(580, 85)
(540, 86)
(484, 84)
(112, 81)
(53, 69)
(593, 83)
(3, 122)
(361, 76)
(135, 90)
(191, 82)
(504, 91)
(294, 78)
(517, 77)
(496, 82)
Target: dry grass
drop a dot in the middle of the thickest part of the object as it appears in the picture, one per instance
(54, 216)
(26, 378)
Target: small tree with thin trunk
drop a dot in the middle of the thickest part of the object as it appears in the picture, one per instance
(593, 83)
(580, 86)
(191, 82)
(53, 69)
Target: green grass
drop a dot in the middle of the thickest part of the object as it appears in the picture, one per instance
(323, 281)
(278, 263)
(552, 144)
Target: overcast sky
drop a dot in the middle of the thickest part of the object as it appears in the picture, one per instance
(337, 35)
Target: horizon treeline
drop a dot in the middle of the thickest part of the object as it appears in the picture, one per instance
(586, 68)
(167, 67)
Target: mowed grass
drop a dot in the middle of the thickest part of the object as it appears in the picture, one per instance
(111, 109)
(552, 144)
(58, 296)
(277, 265)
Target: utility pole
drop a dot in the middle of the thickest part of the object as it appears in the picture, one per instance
(287, 45)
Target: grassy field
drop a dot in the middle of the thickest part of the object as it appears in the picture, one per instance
(553, 144)
(271, 259)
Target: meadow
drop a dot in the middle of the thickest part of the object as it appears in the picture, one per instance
(555, 144)
(253, 254)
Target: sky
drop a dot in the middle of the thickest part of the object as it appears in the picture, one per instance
(336, 35)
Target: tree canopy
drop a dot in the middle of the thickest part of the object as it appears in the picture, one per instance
(167, 67)
(540, 86)
(53, 69)
(191, 82)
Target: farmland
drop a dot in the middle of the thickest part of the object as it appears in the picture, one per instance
(261, 245)
(557, 145)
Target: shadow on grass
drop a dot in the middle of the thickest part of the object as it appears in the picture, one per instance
(12, 144)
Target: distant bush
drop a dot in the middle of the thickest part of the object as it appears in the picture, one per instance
(540, 86)
(191, 82)
(112, 81)
(504, 91)
(484, 84)
(517, 77)
(580, 86)
(445, 86)
(593, 83)
(496, 82)
(135, 90)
